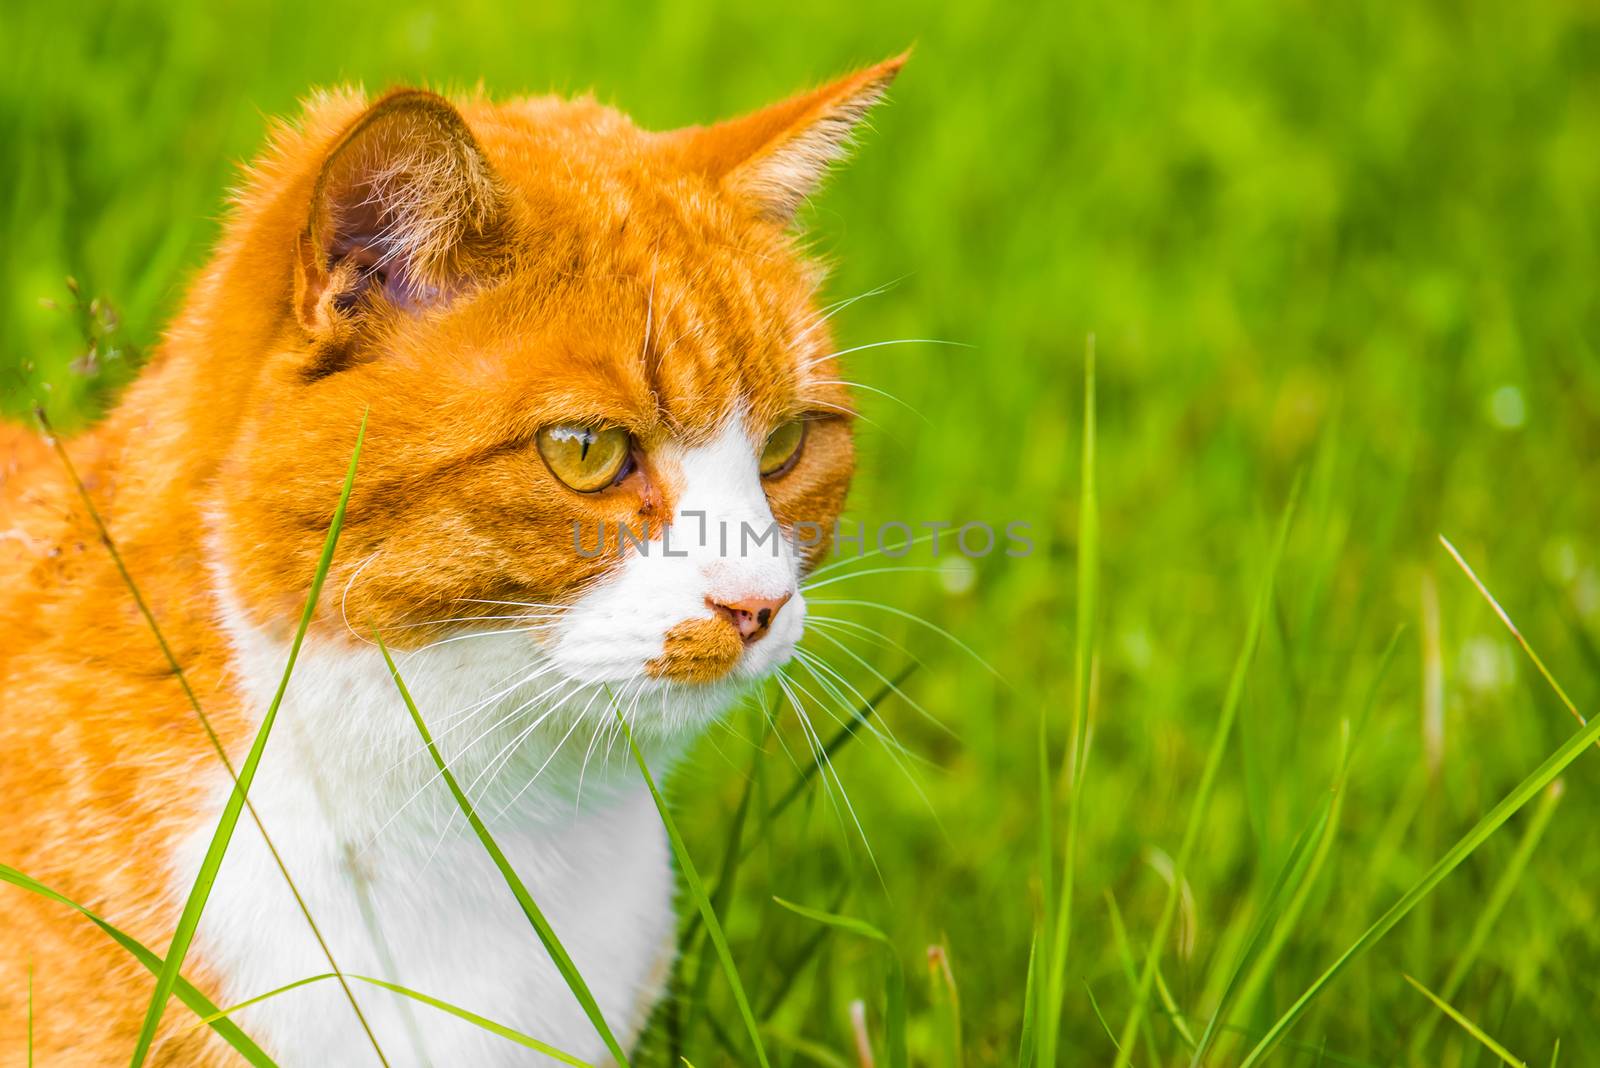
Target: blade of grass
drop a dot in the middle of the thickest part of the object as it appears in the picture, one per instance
(796, 789)
(541, 926)
(1043, 1053)
(833, 919)
(201, 890)
(509, 1033)
(1277, 934)
(1509, 880)
(1130, 970)
(947, 1001)
(1098, 1015)
(696, 889)
(194, 702)
(895, 1011)
(1277, 897)
(1512, 803)
(732, 854)
(185, 991)
(1512, 627)
(804, 1047)
(790, 969)
(1077, 757)
(1467, 1025)
(1030, 998)
(1208, 777)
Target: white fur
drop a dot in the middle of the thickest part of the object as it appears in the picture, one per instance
(399, 887)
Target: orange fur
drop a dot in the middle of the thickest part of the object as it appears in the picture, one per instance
(550, 261)
(698, 650)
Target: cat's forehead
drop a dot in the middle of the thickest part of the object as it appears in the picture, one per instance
(634, 284)
(668, 349)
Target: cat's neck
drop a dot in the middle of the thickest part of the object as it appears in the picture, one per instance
(526, 745)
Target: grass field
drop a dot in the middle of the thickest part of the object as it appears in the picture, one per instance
(1355, 245)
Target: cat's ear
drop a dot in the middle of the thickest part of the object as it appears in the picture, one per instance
(405, 208)
(775, 158)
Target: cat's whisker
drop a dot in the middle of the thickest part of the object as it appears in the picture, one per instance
(649, 313)
(870, 389)
(897, 752)
(914, 618)
(601, 724)
(504, 757)
(892, 686)
(628, 718)
(880, 551)
(450, 762)
(809, 586)
(903, 757)
(782, 679)
(522, 676)
(501, 760)
(497, 763)
(840, 305)
(344, 596)
(824, 762)
(532, 627)
(884, 344)
(557, 609)
(842, 410)
(583, 766)
(517, 618)
(853, 629)
(530, 702)
(449, 722)
(876, 726)
(576, 720)
(772, 721)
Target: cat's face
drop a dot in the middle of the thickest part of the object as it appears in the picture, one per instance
(603, 411)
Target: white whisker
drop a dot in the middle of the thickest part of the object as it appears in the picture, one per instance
(842, 561)
(903, 614)
(882, 344)
(808, 586)
(825, 763)
(870, 389)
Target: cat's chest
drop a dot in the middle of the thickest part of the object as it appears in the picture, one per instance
(401, 890)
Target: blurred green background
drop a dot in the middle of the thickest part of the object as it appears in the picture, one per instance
(1358, 241)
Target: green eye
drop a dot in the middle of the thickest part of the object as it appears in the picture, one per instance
(584, 457)
(782, 448)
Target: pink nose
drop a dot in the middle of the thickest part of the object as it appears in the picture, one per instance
(752, 615)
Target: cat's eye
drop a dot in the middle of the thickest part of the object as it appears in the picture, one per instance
(586, 458)
(782, 448)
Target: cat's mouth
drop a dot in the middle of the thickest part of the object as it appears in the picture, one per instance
(697, 651)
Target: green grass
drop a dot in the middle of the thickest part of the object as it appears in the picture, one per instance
(546, 934)
(194, 905)
(1357, 241)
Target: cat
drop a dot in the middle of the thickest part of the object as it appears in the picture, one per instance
(555, 326)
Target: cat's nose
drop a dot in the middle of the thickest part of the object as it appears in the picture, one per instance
(751, 615)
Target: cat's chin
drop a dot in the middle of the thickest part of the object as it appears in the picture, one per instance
(678, 710)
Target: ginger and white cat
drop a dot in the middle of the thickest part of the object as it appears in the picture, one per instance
(555, 323)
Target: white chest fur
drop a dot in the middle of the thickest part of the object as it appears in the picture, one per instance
(400, 888)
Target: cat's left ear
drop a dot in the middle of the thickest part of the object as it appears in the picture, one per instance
(773, 159)
(406, 208)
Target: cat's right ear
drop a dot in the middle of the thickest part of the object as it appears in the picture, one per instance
(406, 213)
(774, 158)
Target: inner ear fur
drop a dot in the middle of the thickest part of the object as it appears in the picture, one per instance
(406, 210)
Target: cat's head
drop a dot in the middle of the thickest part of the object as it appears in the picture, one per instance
(569, 336)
